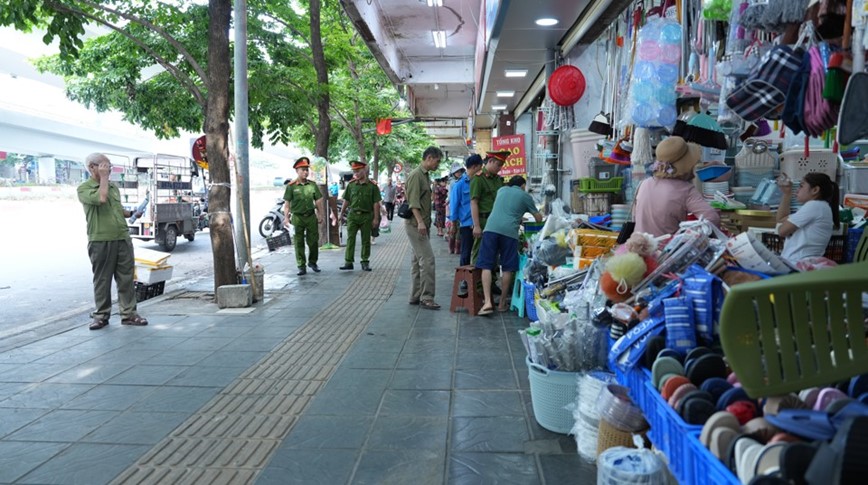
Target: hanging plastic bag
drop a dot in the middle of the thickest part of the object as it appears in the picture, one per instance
(651, 97)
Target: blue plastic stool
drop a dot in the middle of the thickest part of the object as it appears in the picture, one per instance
(517, 301)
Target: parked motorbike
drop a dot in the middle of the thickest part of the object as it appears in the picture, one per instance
(273, 221)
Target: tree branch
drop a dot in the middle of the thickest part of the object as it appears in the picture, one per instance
(165, 35)
(178, 74)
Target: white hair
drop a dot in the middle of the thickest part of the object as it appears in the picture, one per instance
(95, 159)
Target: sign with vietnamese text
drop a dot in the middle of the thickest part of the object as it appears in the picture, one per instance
(516, 163)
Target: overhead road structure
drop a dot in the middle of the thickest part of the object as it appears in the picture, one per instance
(472, 60)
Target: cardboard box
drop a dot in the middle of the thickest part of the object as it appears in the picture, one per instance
(149, 276)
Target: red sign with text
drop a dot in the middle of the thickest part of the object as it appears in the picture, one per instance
(516, 163)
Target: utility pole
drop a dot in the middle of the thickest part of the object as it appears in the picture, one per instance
(242, 137)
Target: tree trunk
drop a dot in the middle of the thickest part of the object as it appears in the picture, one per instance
(216, 136)
(324, 125)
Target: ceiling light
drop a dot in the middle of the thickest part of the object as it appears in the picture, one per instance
(505, 94)
(546, 22)
(498, 107)
(515, 72)
(439, 38)
(435, 3)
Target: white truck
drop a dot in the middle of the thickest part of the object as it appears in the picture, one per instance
(168, 191)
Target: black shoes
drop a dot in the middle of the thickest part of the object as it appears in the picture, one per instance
(347, 266)
(301, 271)
(314, 267)
(366, 267)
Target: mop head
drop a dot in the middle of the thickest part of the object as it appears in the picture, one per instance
(642, 151)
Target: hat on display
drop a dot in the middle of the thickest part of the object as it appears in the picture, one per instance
(357, 165)
(472, 161)
(456, 167)
(302, 162)
(499, 155)
(704, 130)
(676, 157)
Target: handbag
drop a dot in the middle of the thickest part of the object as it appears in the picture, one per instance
(404, 211)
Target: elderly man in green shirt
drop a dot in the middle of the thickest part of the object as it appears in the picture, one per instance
(418, 191)
(362, 197)
(108, 244)
(304, 200)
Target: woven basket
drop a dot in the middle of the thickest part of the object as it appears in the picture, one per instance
(609, 436)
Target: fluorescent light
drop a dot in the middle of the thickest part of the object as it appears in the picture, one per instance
(546, 22)
(515, 72)
(498, 107)
(439, 38)
(435, 3)
(505, 94)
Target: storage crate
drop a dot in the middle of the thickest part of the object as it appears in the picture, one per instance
(149, 276)
(706, 467)
(145, 291)
(550, 393)
(836, 250)
(278, 240)
(592, 185)
(796, 165)
(670, 434)
(603, 170)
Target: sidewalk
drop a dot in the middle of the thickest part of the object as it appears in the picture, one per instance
(332, 379)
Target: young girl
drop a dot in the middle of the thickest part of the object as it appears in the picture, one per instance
(809, 230)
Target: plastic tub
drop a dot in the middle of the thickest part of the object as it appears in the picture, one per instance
(550, 392)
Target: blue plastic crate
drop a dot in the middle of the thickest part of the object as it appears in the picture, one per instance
(670, 434)
(530, 308)
(706, 467)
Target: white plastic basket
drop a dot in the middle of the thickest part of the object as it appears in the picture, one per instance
(795, 165)
(550, 393)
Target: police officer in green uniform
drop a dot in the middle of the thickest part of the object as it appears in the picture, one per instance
(483, 190)
(362, 197)
(304, 201)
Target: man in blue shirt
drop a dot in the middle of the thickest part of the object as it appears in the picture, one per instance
(459, 212)
(500, 238)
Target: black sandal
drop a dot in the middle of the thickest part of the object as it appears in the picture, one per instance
(98, 323)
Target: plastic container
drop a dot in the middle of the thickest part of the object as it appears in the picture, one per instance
(550, 392)
(278, 240)
(529, 307)
(796, 165)
(712, 172)
(592, 185)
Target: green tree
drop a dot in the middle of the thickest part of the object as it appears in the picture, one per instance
(105, 72)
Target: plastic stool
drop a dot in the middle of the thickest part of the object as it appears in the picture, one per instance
(473, 301)
(517, 301)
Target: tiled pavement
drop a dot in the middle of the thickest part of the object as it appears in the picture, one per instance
(333, 379)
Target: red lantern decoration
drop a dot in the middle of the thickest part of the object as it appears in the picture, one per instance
(566, 85)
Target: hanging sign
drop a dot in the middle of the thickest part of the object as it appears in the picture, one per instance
(516, 163)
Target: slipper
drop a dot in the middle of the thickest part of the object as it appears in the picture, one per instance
(795, 460)
(502, 310)
(769, 459)
(806, 423)
(760, 429)
(429, 305)
(746, 461)
(827, 396)
(135, 320)
(486, 310)
(679, 394)
(720, 419)
(715, 386)
(720, 442)
(842, 460)
(98, 323)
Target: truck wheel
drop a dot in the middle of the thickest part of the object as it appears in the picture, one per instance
(170, 239)
(268, 226)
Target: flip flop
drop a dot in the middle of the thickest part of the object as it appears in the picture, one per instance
(806, 423)
(502, 310)
(486, 311)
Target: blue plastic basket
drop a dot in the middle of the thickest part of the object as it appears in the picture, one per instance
(706, 467)
(530, 308)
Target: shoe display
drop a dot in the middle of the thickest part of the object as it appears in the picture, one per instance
(301, 271)
(314, 267)
(347, 266)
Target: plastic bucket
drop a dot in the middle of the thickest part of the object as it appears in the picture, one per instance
(550, 392)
